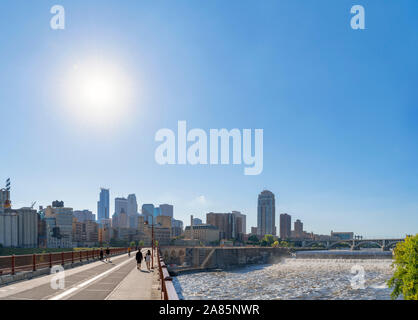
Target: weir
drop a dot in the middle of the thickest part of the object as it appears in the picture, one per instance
(183, 259)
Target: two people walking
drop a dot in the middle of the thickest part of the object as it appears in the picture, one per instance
(139, 258)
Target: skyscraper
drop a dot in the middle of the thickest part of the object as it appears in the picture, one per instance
(166, 210)
(121, 205)
(285, 226)
(132, 205)
(298, 229)
(103, 205)
(266, 213)
(148, 212)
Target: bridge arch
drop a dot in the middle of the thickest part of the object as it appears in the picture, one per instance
(361, 243)
(392, 244)
(334, 244)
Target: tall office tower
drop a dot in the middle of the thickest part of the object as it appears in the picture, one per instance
(103, 205)
(197, 221)
(285, 226)
(121, 205)
(298, 229)
(166, 210)
(266, 213)
(148, 212)
(157, 212)
(132, 205)
(242, 227)
(225, 222)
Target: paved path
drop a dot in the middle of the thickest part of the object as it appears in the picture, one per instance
(117, 280)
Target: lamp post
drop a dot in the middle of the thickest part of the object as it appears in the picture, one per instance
(152, 247)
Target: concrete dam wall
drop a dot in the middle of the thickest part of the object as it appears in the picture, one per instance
(220, 257)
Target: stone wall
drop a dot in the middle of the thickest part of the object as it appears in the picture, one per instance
(218, 257)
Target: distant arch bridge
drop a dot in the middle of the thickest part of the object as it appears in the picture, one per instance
(355, 244)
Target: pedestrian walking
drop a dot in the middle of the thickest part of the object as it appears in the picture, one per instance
(107, 254)
(148, 260)
(138, 259)
(101, 253)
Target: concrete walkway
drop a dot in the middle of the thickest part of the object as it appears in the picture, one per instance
(118, 280)
(138, 285)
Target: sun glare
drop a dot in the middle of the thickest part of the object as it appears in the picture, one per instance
(98, 93)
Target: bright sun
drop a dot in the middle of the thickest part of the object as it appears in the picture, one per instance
(98, 93)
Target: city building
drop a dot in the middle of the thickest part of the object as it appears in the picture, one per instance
(298, 226)
(63, 221)
(84, 215)
(203, 232)
(225, 222)
(121, 205)
(176, 228)
(27, 228)
(266, 213)
(132, 207)
(148, 212)
(9, 228)
(157, 212)
(103, 205)
(242, 225)
(285, 226)
(166, 210)
(342, 235)
(197, 221)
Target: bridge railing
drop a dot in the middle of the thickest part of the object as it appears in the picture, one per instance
(32, 262)
(168, 292)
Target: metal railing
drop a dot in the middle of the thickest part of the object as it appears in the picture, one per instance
(168, 292)
(32, 262)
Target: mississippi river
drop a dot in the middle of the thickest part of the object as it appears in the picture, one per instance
(292, 279)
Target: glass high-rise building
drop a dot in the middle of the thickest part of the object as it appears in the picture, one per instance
(166, 210)
(103, 205)
(132, 205)
(266, 213)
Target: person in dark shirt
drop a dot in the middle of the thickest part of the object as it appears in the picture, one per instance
(138, 259)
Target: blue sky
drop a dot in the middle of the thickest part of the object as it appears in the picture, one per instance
(338, 106)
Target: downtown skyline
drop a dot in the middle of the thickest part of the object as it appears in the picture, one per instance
(337, 106)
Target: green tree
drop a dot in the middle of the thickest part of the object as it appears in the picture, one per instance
(132, 244)
(275, 244)
(253, 239)
(141, 243)
(267, 241)
(405, 277)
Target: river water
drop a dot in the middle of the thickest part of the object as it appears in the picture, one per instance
(292, 279)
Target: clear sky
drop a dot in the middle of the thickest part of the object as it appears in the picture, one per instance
(339, 107)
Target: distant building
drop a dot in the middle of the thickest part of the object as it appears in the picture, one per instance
(148, 212)
(285, 226)
(342, 235)
(225, 222)
(298, 229)
(204, 232)
(132, 208)
(166, 210)
(266, 213)
(9, 228)
(242, 225)
(121, 205)
(254, 230)
(197, 221)
(176, 228)
(63, 217)
(103, 205)
(84, 215)
(27, 228)
(157, 212)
